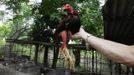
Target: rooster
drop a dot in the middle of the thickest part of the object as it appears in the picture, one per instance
(70, 23)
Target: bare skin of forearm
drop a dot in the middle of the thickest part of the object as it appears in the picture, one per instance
(115, 51)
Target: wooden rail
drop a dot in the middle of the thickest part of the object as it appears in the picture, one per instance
(80, 46)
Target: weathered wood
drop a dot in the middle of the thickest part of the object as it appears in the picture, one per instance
(45, 59)
(75, 46)
(55, 58)
(36, 53)
(77, 57)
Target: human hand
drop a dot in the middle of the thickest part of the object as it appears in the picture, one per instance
(81, 34)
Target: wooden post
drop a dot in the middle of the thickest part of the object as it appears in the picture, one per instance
(36, 53)
(55, 58)
(45, 60)
(77, 57)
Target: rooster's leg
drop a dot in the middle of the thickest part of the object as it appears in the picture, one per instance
(64, 39)
(68, 59)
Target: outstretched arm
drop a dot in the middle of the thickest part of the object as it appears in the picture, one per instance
(115, 51)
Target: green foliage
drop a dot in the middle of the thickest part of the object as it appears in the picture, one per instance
(26, 9)
(49, 13)
(22, 14)
(4, 32)
(5, 29)
(91, 17)
(15, 5)
(48, 7)
(1, 14)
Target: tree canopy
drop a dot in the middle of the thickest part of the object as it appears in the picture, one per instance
(30, 20)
